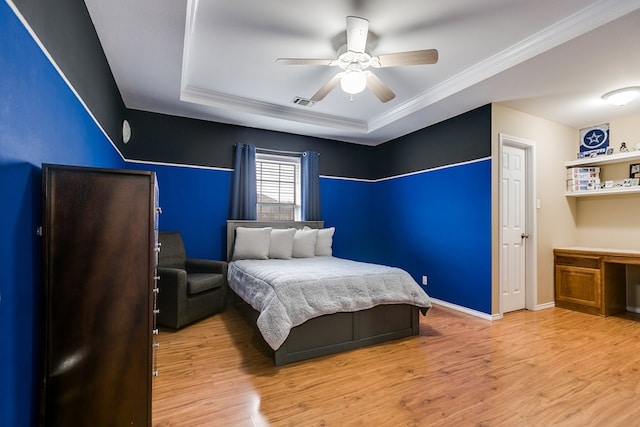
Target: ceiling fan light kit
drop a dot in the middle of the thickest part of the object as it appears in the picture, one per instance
(354, 61)
(353, 81)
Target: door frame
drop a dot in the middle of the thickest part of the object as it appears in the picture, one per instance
(531, 203)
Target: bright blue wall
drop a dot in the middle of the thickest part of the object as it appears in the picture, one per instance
(435, 223)
(347, 205)
(194, 202)
(41, 121)
(438, 223)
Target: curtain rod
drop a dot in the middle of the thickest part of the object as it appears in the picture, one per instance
(272, 151)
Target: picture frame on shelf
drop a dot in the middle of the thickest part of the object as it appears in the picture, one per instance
(634, 170)
(594, 141)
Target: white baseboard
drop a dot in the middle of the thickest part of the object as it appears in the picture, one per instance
(544, 306)
(633, 309)
(499, 316)
(465, 310)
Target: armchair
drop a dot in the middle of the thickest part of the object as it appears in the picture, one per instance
(190, 289)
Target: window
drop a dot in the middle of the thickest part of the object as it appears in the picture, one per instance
(278, 187)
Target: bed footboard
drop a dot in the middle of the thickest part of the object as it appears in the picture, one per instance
(339, 332)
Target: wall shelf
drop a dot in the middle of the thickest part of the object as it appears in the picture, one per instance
(604, 191)
(604, 160)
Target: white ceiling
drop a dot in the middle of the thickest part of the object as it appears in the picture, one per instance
(215, 60)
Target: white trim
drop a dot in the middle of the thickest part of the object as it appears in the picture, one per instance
(35, 38)
(453, 165)
(531, 275)
(466, 310)
(544, 306)
(177, 165)
(182, 165)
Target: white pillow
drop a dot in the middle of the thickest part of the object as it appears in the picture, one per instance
(252, 243)
(304, 243)
(325, 241)
(282, 243)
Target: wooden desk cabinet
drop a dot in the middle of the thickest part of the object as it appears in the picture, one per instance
(592, 280)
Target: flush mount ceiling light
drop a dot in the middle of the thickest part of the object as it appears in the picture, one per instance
(622, 96)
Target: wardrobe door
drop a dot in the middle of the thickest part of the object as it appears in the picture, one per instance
(98, 236)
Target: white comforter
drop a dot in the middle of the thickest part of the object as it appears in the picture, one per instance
(287, 293)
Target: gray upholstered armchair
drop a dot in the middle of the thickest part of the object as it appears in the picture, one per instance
(190, 288)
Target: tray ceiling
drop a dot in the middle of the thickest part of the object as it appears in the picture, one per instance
(215, 60)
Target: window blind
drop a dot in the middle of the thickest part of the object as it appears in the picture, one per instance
(277, 185)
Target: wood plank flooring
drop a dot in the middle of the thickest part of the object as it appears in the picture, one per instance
(551, 367)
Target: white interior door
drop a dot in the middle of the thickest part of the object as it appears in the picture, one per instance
(514, 234)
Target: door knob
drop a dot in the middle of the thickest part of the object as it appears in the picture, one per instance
(524, 236)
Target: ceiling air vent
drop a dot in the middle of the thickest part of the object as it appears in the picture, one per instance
(302, 101)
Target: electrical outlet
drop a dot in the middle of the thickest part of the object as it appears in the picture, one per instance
(424, 280)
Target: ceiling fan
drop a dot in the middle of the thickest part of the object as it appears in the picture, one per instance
(354, 62)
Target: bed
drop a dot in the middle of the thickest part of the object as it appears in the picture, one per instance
(314, 304)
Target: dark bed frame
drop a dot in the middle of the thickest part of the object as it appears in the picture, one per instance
(332, 333)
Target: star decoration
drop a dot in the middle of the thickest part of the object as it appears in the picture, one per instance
(594, 138)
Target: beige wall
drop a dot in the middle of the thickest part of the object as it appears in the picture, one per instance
(614, 221)
(603, 221)
(554, 145)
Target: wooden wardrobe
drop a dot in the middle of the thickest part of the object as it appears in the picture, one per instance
(100, 253)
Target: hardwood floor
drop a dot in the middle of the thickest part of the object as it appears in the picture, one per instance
(551, 367)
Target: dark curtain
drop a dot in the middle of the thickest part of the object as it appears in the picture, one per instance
(243, 186)
(310, 183)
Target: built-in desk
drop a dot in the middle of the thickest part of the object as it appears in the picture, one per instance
(592, 280)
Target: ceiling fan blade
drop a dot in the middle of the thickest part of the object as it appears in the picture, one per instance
(303, 61)
(416, 57)
(357, 31)
(379, 89)
(324, 90)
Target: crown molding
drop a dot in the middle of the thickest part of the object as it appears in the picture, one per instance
(236, 103)
(575, 25)
(581, 22)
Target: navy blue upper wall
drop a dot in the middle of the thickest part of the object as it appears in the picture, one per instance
(41, 121)
(178, 140)
(459, 139)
